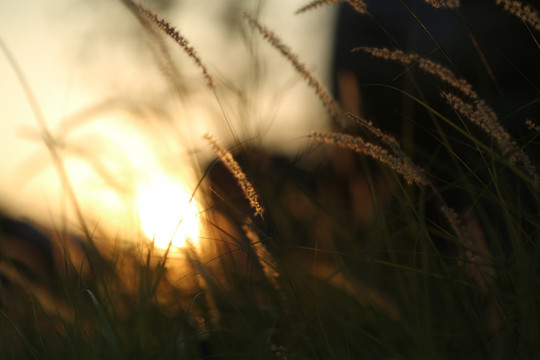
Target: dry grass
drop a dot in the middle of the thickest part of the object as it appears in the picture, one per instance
(480, 114)
(327, 100)
(477, 111)
(401, 166)
(232, 165)
(264, 258)
(532, 125)
(413, 279)
(523, 11)
(170, 30)
(443, 4)
(484, 117)
(358, 5)
(431, 67)
(390, 141)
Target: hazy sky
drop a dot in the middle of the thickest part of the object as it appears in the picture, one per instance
(113, 112)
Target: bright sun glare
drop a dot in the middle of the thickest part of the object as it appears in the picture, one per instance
(168, 213)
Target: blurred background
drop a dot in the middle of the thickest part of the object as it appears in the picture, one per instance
(119, 119)
(121, 116)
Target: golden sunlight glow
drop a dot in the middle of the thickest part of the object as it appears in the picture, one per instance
(168, 213)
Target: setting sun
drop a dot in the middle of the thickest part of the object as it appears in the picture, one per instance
(167, 213)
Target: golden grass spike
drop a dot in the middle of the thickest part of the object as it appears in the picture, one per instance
(532, 126)
(359, 5)
(443, 4)
(231, 164)
(456, 225)
(205, 281)
(478, 112)
(265, 260)
(483, 116)
(392, 143)
(523, 11)
(472, 237)
(328, 101)
(402, 166)
(387, 139)
(428, 66)
(168, 29)
(315, 4)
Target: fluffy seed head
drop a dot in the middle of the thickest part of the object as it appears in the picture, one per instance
(523, 11)
(328, 101)
(427, 65)
(234, 168)
(479, 113)
(443, 4)
(168, 29)
(405, 168)
(359, 5)
(532, 126)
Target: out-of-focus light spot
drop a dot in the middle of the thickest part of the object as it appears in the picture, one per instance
(167, 213)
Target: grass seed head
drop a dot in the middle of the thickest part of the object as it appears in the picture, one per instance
(443, 4)
(402, 166)
(531, 125)
(358, 5)
(429, 66)
(228, 160)
(523, 11)
(327, 100)
(168, 29)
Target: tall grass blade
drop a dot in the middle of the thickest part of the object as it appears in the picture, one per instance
(27, 344)
(110, 336)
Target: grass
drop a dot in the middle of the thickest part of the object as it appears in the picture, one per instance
(380, 251)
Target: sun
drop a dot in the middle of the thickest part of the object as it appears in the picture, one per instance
(167, 213)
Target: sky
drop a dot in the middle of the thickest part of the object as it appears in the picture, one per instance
(116, 119)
